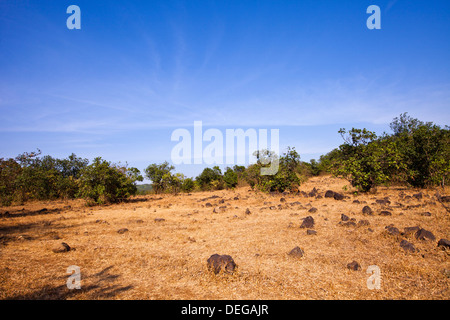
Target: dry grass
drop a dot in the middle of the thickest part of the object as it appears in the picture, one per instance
(167, 260)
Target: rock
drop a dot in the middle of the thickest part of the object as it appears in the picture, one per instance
(354, 266)
(407, 246)
(273, 208)
(410, 230)
(383, 202)
(418, 196)
(367, 210)
(308, 222)
(393, 231)
(356, 201)
(247, 211)
(208, 205)
(445, 199)
(362, 223)
(385, 213)
(313, 192)
(236, 198)
(426, 214)
(122, 231)
(312, 210)
(62, 247)
(282, 200)
(311, 232)
(329, 194)
(219, 209)
(344, 217)
(338, 196)
(159, 220)
(217, 263)
(348, 223)
(296, 252)
(444, 243)
(423, 234)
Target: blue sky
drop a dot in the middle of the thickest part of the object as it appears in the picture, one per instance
(138, 70)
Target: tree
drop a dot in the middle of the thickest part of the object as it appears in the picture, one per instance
(230, 177)
(103, 182)
(210, 178)
(156, 173)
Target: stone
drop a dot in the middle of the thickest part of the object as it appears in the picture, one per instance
(247, 211)
(308, 222)
(393, 231)
(362, 223)
(312, 210)
(344, 217)
(367, 210)
(385, 213)
(297, 252)
(329, 194)
(407, 246)
(423, 234)
(122, 231)
(355, 266)
(221, 263)
(338, 196)
(444, 243)
(159, 220)
(410, 230)
(311, 232)
(62, 247)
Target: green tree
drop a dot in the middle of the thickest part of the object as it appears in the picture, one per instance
(230, 177)
(156, 173)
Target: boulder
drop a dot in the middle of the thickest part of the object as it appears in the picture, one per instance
(367, 210)
(221, 263)
(407, 246)
(297, 252)
(308, 222)
(338, 196)
(423, 234)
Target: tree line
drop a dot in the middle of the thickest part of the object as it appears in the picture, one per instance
(416, 154)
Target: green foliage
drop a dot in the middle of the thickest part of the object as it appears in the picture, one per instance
(10, 170)
(158, 174)
(210, 178)
(230, 177)
(101, 182)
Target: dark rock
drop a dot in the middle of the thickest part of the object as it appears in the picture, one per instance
(62, 247)
(356, 201)
(312, 210)
(273, 208)
(159, 220)
(362, 223)
(338, 196)
(329, 194)
(418, 196)
(393, 231)
(354, 266)
(236, 198)
(444, 243)
(282, 200)
(410, 230)
(407, 246)
(367, 210)
(426, 214)
(221, 201)
(385, 213)
(217, 263)
(344, 217)
(122, 231)
(247, 211)
(383, 201)
(308, 222)
(296, 252)
(311, 232)
(208, 205)
(423, 234)
(445, 199)
(348, 224)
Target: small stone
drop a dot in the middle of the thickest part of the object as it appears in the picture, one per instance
(423, 234)
(247, 211)
(312, 210)
(444, 243)
(367, 210)
(344, 217)
(311, 232)
(338, 196)
(407, 246)
(296, 252)
(62, 247)
(385, 213)
(329, 194)
(308, 222)
(122, 231)
(354, 266)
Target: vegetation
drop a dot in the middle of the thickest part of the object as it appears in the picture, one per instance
(416, 154)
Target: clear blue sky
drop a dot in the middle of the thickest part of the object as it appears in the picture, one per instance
(137, 70)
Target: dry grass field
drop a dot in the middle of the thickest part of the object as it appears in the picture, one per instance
(170, 237)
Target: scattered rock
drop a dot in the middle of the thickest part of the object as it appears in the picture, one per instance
(445, 199)
(208, 205)
(247, 211)
(329, 194)
(367, 210)
(410, 230)
(407, 246)
(383, 202)
(122, 231)
(348, 223)
(418, 196)
(356, 201)
(426, 214)
(362, 223)
(344, 217)
(308, 222)
(338, 196)
(385, 213)
(273, 208)
(159, 220)
(282, 200)
(311, 232)
(60, 248)
(296, 252)
(236, 198)
(354, 266)
(423, 234)
(312, 210)
(217, 263)
(393, 231)
(444, 243)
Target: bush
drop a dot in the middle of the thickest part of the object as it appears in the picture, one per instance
(159, 174)
(101, 182)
